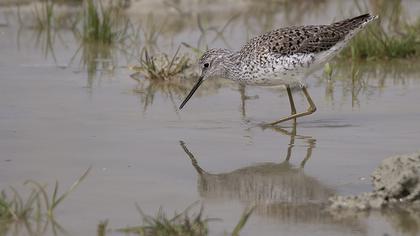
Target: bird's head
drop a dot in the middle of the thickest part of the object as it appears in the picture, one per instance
(212, 65)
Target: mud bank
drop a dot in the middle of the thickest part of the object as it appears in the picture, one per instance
(396, 182)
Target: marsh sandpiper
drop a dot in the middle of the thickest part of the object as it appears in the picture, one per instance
(281, 57)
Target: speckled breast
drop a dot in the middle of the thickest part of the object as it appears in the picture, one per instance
(276, 70)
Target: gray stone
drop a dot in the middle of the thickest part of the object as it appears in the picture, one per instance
(395, 181)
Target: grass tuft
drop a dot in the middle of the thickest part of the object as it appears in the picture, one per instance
(34, 209)
(52, 202)
(44, 15)
(375, 43)
(328, 70)
(101, 25)
(180, 224)
(162, 67)
(242, 221)
(102, 228)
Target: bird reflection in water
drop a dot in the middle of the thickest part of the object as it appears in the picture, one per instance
(277, 190)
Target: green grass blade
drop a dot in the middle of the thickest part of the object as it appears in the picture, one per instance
(71, 189)
(40, 189)
(244, 218)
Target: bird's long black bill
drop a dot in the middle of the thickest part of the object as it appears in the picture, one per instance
(200, 80)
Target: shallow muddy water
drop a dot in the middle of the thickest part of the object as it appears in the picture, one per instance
(57, 119)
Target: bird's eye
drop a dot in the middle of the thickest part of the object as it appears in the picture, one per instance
(206, 65)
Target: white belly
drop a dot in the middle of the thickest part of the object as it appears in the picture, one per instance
(286, 70)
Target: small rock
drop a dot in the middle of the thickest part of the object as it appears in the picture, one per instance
(396, 180)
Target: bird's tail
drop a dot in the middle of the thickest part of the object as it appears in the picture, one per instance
(357, 22)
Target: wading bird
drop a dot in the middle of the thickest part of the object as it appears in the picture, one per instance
(281, 57)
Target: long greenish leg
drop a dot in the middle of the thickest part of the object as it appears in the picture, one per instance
(292, 103)
(292, 141)
(311, 109)
(311, 145)
(312, 106)
(243, 98)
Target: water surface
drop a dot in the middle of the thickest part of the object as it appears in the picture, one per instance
(62, 111)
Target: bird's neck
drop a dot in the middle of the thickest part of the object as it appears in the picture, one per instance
(232, 65)
(232, 56)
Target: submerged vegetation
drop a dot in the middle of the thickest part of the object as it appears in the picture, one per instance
(180, 224)
(392, 36)
(376, 43)
(162, 67)
(106, 23)
(104, 31)
(362, 79)
(102, 25)
(96, 22)
(44, 15)
(35, 212)
(169, 75)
